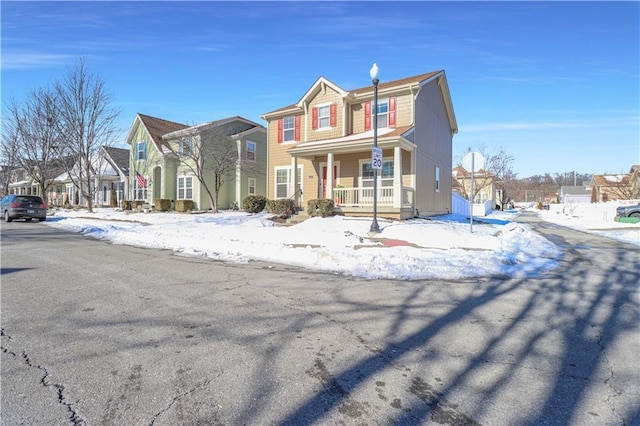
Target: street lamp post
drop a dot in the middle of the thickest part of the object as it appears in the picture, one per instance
(374, 79)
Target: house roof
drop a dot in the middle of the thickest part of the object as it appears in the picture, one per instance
(252, 126)
(120, 158)
(157, 127)
(574, 190)
(460, 171)
(611, 180)
(367, 91)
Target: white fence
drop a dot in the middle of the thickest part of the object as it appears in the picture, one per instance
(460, 205)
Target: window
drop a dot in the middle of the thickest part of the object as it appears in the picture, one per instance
(323, 117)
(288, 129)
(383, 109)
(139, 190)
(283, 181)
(251, 151)
(104, 194)
(185, 147)
(141, 150)
(385, 176)
(252, 186)
(185, 187)
(437, 179)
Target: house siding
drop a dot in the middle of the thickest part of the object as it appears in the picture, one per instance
(329, 96)
(433, 139)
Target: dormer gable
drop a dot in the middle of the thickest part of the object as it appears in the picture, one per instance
(320, 86)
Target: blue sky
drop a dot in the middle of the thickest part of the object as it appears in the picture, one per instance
(556, 84)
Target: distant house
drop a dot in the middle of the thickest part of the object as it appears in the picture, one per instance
(158, 156)
(634, 181)
(611, 187)
(484, 185)
(321, 147)
(574, 194)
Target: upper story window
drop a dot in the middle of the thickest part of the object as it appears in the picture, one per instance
(386, 113)
(185, 146)
(251, 151)
(141, 150)
(323, 116)
(289, 129)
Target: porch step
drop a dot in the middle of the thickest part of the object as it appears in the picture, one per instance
(297, 217)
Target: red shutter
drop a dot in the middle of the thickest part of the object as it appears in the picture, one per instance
(314, 118)
(333, 112)
(367, 116)
(296, 131)
(392, 111)
(280, 122)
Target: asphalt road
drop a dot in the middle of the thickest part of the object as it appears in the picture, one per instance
(102, 334)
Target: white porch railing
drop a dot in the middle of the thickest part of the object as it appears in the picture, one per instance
(358, 197)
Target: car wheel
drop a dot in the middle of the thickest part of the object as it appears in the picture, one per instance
(6, 217)
(636, 214)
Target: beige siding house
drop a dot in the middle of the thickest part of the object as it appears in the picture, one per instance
(326, 138)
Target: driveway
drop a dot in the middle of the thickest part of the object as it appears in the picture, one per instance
(102, 334)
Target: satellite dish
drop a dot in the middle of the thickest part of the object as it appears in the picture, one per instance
(473, 162)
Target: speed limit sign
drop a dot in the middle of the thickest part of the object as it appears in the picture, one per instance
(376, 158)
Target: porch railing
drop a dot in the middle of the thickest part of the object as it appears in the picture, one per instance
(363, 196)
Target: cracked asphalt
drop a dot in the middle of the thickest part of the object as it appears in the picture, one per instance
(100, 334)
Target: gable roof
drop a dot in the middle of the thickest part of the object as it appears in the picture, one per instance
(611, 180)
(157, 127)
(249, 126)
(367, 91)
(119, 157)
(461, 172)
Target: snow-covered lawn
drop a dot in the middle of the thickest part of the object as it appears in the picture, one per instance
(441, 247)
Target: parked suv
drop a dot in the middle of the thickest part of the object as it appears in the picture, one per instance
(628, 211)
(23, 207)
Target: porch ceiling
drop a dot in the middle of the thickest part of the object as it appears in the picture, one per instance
(362, 142)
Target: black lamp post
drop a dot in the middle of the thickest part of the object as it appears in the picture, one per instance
(374, 79)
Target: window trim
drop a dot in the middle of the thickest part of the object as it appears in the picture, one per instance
(254, 151)
(184, 188)
(141, 154)
(292, 129)
(251, 184)
(327, 117)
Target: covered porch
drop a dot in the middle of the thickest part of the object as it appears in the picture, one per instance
(344, 173)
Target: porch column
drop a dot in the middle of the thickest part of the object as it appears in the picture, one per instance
(294, 180)
(397, 177)
(238, 198)
(329, 188)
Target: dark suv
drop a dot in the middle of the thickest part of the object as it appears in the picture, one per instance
(23, 207)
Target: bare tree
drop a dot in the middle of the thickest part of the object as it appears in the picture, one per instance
(30, 128)
(213, 154)
(89, 122)
(497, 171)
(9, 152)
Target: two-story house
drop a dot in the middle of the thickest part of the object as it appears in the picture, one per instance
(160, 161)
(327, 136)
(484, 188)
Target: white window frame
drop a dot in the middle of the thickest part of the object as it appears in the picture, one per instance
(287, 184)
(139, 193)
(382, 104)
(141, 150)
(289, 125)
(324, 118)
(383, 179)
(437, 179)
(252, 150)
(251, 186)
(186, 142)
(185, 191)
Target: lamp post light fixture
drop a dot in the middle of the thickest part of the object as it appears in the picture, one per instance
(375, 228)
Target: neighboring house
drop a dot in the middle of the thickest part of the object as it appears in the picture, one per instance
(118, 159)
(610, 187)
(574, 194)
(484, 186)
(327, 135)
(158, 168)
